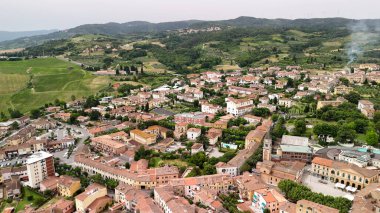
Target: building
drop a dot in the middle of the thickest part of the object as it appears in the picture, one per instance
(294, 148)
(361, 159)
(342, 90)
(247, 184)
(210, 108)
(225, 168)
(169, 202)
(180, 129)
(143, 137)
(257, 135)
(140, 179)
(193, 133)
(267, 199)
(12, 187)
(367, 199)
(196, 147)
(93, 199)
(238, 107)
(285, 102)
(196, 118)
(306, 206)
(39, 166)
(159, 131)
(107, 145)
(335, 103)
(67, 186)
(273, 172)
(367, 108)
(254, 120)
(344, 173)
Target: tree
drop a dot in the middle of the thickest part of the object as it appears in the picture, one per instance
(262, 112)
(353, 97)
(324, 130)
(15, 125)
(94, 115)
(3, 117)
(91, 101)
(299, 127)
(202, 139)
(345, 134)
(127, 165)
(147, 107)
(372, 138)
(35, 113)
(73, 98)
(15, 113)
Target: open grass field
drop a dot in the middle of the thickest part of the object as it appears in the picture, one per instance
(51, 79)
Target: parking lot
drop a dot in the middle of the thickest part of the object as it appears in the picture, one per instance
(326, 188)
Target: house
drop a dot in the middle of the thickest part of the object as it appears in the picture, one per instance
(238, 107)
(305, 206)
(257, 135)
(273, 172)
(225, 168)
(366, 108)
(267, 199)
(210, 108)
(285, 102)
(196, 147)
(254, 120)
(12, 188)
(341, 90)
(193, 133)
(94, 198)
(143, 137)
(159, 131)
(68, 186)
(213, 135)
(106, 144)
(180, 129)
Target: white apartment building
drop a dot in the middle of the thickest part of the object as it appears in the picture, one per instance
(238, 107)
(39, 166)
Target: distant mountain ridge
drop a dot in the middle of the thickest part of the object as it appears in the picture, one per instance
(8, 35)
(113, 28)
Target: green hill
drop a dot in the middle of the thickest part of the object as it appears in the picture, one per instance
(29, 84)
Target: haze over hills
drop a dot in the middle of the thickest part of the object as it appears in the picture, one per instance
(134, 27)
(6, 35)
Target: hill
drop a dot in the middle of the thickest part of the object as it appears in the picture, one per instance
(6, 35)
(30, 84)
(137, 27)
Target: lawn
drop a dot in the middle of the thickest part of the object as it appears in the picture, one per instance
(51, 79)
(25, 201)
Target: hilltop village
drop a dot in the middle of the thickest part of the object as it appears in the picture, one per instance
(277, 139)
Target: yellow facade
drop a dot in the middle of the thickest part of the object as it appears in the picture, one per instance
(68, 191)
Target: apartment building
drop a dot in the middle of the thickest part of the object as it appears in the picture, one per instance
(39, 166)
(238, 107)
(143, 137)
(93, 199)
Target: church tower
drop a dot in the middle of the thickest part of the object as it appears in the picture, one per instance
(267, 148)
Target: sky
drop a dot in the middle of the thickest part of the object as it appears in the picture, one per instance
(23, 15)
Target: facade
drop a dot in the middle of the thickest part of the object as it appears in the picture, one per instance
(344, 173)
(39, 166)
(238, 107)
(305, 206)
(196, 118)
(67, 186)
(193, 133)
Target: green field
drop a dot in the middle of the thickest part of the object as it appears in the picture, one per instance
(51, 79)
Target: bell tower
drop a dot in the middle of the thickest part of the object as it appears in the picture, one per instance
(267, 148)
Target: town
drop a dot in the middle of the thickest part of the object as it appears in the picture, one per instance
(263, 139)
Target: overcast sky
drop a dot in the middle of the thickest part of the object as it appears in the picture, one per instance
(19, 15)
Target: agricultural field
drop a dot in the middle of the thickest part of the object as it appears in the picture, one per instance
(29, 84)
